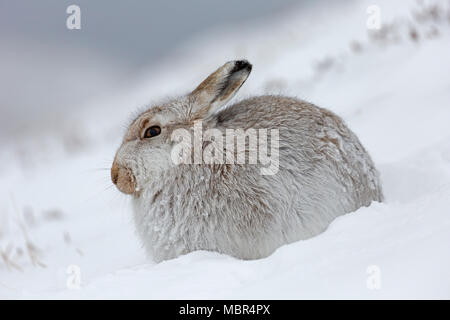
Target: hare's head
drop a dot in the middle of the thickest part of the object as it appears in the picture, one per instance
(147, 146)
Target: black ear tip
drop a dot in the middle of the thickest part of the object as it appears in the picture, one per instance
(242, 65)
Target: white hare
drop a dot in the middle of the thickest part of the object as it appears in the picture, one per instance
(323, 172)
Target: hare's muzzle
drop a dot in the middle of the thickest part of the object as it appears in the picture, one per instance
(123, 178)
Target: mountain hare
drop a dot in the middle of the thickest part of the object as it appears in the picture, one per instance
(198, 196)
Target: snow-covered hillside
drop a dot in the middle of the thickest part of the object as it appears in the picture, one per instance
(61, 220)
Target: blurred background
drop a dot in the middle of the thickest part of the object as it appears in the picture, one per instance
(49, 71)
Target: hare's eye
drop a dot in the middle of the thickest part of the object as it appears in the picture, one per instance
(152, 132)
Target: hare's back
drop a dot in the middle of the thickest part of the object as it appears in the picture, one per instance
(270, 112)
(315, 143)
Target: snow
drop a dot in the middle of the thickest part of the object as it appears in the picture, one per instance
(56, 194)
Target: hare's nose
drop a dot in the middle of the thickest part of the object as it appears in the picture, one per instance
(114, 174)
(123, 178)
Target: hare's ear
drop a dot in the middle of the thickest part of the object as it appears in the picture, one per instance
(216, 90)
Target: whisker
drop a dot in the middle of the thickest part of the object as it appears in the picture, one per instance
(97, 169)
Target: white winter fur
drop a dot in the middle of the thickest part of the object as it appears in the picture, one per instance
(324, 172)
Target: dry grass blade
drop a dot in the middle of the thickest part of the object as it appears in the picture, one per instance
(32, 250)
(33, 253)
(10, 264)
